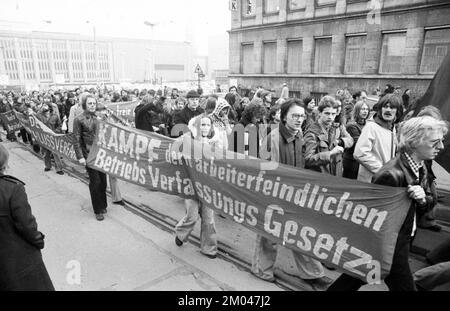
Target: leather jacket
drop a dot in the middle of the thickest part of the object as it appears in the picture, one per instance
(397, 173)
(84, 128)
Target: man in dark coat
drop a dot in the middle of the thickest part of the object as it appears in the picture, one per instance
(420, 139)
(191, 110)
(21, 264)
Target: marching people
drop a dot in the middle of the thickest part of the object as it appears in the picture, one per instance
(354, 128)
(21, 264)
(285, 145)
(377, 143)
(420, 139)
(52, 121)
(311, 112)
(325, 142)
(5, 106)
(84, 128)
(201, 130)
(75, 111)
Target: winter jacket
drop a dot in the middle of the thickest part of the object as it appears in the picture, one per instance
(21, 265)
(319, 144)
(375, 147)
(185, 115)
(84, 128)
(289, 149)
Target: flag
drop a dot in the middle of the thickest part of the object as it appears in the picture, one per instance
(438, 95)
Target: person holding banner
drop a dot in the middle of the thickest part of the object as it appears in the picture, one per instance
(420, 139)
(52, 121)
(202, 131)
(5, 106)
(285, 145)
(84, 128)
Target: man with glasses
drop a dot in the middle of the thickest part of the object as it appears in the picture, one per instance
(324, 142)
(284, 145)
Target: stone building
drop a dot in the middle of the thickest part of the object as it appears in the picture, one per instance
(319, 46)
(40, 59)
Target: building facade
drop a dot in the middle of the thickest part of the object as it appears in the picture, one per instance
(319, 46)
(42, 59)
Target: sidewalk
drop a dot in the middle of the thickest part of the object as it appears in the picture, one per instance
(124, 252)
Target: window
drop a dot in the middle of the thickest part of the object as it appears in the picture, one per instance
(89, 54)
(392, 53)
(297, 5)
(26, 55)
(325, 2)
(322, 56)
(10, 58)
(271, 6)
(270, 57)
(60, 58)
(294, 52)
(77, 61)
(436, 47)
(249, 7)
(103, 61)
(247, 58)
(355, 53)
(43, 59)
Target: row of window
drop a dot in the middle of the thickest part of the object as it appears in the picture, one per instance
(273, 6)
(435, 48)
(35, 60)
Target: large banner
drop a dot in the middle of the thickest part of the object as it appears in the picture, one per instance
(345, 223)
(10, 121)
(61, 144)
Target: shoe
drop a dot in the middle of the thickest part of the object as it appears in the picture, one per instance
(60, 173)
(47, 169)
(99, 217)
(264, 277)
(121, 202)
(178, 242)
(210, 256)
(104, 211)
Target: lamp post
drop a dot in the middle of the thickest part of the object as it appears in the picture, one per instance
(95, 50)
(152, 58)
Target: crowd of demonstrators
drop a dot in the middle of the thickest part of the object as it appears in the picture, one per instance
(340, 135)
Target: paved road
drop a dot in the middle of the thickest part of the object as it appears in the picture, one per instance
(124, 252)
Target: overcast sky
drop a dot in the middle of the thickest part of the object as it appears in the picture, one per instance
(175, 19)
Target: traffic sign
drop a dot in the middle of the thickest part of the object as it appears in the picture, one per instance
(198, 69)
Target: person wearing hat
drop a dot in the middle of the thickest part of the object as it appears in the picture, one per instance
(21, 264)
(192, 109)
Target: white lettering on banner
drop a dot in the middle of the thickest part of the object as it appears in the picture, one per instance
(126, 143)
(321, 246)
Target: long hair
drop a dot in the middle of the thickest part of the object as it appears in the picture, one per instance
(357, 110)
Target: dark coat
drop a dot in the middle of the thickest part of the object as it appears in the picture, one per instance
(84, 128)
(397, 173)
(21, 265)
(147, 116)
(185, 115)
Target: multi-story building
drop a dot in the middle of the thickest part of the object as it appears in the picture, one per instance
(47, 58)
(319, 46)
